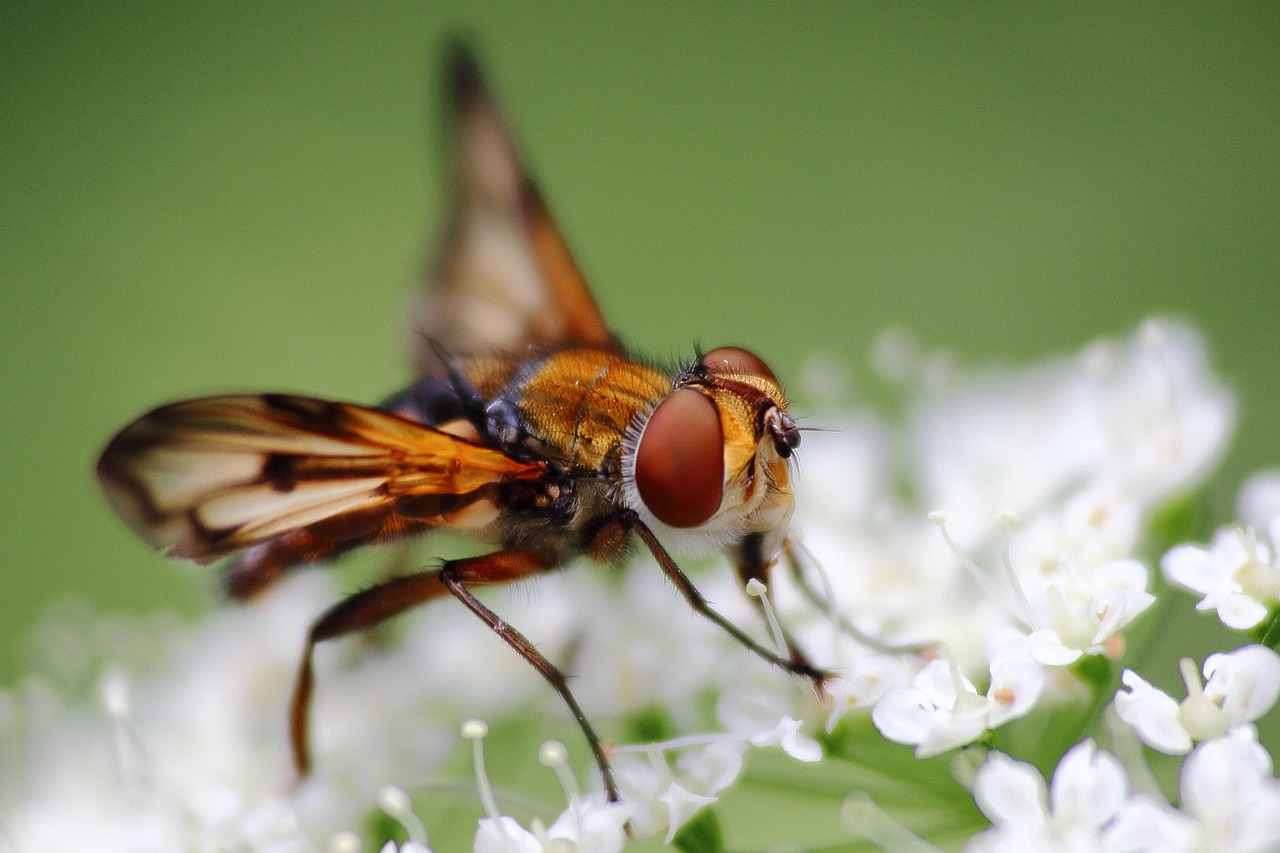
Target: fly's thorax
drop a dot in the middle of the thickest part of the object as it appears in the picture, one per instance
(709, 463)
(571, 406)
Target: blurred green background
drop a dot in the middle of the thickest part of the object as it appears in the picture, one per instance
(200, 198)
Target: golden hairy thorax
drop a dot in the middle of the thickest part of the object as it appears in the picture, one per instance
(576, 403)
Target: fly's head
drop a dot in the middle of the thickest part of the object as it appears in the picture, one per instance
(711, 463)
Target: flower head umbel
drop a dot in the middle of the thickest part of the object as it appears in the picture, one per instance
(940, 629)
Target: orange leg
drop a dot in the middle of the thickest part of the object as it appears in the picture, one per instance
(374, 605)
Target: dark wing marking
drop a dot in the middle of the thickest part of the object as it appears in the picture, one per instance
(208, 477)
(504, 279)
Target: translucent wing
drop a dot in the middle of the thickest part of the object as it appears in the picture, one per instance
(208, 477)
(504, 279)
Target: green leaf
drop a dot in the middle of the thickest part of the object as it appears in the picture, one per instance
(702, 834)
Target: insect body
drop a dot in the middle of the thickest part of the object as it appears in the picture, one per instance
(531, 428)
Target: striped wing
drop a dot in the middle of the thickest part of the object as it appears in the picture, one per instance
(205, 478)
(504, 279)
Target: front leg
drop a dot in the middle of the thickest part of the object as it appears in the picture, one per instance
(626, 521)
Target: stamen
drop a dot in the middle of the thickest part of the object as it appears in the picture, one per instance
(475, 731)
(660, 766)
(398, 806)
(1007, 519)
(1248, 540)
(1256, 576)
(757, 589)
(555, 755)
(680, 742)
(1199, 714)
(1190, 676)
(938, 518)
(861, 816)
(965, 698)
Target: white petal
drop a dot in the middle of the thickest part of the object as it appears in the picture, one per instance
(1146, 823)
(1239, 611)
(1248, 679)
(1049, 649)
(1088, 787)
(591, 826)
(954, 729)
(714, 767)
(510, 837)
(936, 681)
(1128, 574)
(904, 715)
(1016, 683)
(1153, 715)
(787, 736)
(1009, 791)
(1115, 608)
(681, 804)
(1192, 567)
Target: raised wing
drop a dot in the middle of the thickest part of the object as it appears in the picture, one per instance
(209, 477)
(504, 279)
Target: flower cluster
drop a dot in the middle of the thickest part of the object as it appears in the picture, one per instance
(978, 558)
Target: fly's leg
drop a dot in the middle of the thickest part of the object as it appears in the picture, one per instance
(376, 604)
(627, 520)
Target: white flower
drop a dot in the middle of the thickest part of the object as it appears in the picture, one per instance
(190, 755)
(760, 713)
(504, 834)
(587, 826)
(943, 709)
(1077, 612)
(1145, 414)
(1094, 525)
(1242, 686)
(657, 799)
(1230, 801)
(1089, 788)
(1236, 574)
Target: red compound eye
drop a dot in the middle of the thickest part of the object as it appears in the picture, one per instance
(680, 460)
(736, 360)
